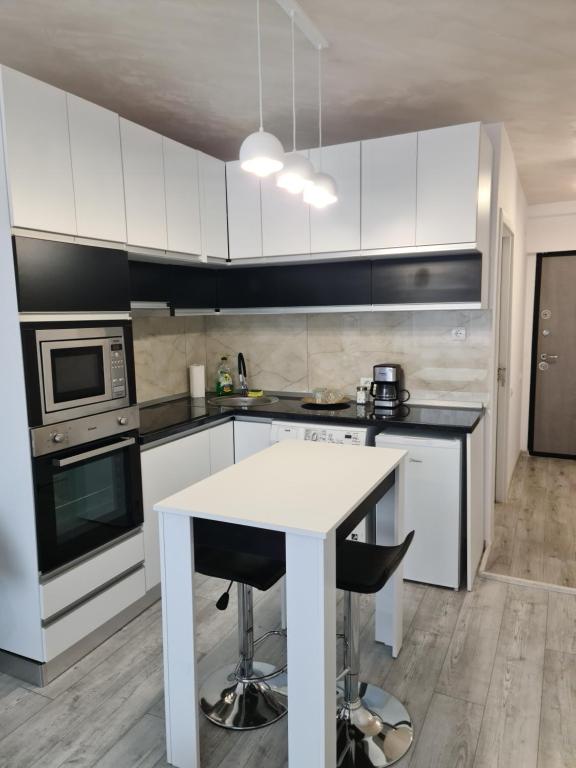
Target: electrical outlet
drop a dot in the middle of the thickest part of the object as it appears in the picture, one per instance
(458, 334)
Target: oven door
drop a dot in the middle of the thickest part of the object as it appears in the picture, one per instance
(85, 498)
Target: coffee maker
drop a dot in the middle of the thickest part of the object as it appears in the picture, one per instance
(386, 387)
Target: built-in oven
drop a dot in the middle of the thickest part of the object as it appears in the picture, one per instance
(74, 372)
(88, 489)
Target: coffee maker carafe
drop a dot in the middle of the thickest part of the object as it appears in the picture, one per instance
(386, 387)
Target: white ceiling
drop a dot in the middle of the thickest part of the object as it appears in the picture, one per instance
(187, 68)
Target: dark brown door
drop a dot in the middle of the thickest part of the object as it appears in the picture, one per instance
(553, 393)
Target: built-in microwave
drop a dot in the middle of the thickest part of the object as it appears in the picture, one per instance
(76, 371)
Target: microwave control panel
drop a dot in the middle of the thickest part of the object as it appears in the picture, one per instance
(118, 368)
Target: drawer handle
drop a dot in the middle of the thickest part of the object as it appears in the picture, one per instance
(416, 461)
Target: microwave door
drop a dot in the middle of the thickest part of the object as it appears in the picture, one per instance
(75, 373)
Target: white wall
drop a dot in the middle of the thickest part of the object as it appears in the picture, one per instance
(551, 227)
(510, 199)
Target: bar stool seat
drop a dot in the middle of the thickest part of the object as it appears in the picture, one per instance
(247, 694)
(374, 728)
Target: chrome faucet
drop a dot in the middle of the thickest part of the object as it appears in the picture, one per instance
(242, 375)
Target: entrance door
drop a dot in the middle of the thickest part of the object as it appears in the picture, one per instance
(553, 384)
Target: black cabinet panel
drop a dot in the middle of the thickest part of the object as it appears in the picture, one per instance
(181, 287)
(428, 279)
(295, 285)
(67, 277)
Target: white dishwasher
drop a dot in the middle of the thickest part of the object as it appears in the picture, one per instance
(432, 506)
(322, 433)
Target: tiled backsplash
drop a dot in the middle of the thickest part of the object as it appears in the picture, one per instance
(300, 352)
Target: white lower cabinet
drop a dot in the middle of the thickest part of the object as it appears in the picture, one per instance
(169, 468)
(250, 437)
(63, 633)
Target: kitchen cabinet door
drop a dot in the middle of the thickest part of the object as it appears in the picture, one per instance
(182, 188)
(244, 212)
(97, 171)
(448, 170)
(221, 447)
(143, 160)
(285, 221)
(337, 227)
(168, 469)
(389, 191)
(38, 159)
(213, 213)
(250, 437)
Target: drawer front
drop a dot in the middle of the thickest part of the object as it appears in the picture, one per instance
(79, 623)
(71, 586)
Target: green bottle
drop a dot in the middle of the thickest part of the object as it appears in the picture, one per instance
(224, 382)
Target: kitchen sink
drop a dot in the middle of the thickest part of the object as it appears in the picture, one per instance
(231, 401)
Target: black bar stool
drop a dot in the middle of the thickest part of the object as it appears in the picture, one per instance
(248, 694)
(374, 728)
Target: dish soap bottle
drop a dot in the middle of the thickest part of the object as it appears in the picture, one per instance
(224, 382)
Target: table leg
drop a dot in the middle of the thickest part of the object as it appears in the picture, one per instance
(311, 609)
(178, 624)
(390, 530)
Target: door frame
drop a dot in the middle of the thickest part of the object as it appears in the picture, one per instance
(502, 393)
(534, 355)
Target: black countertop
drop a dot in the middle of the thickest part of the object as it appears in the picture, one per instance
(161, 420)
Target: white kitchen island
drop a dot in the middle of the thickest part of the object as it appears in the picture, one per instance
(308, 491)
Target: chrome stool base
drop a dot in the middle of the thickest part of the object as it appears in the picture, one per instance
(376, 730)
(229, 701)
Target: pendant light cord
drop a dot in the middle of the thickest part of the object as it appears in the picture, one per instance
(293, 88)
(259, 62)
(320, 107)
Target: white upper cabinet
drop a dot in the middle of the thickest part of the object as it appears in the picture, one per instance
(182, 198)
(285, 221)
(38, 155)
(143, 159)
(244, 212)
(337, 227)
(389, 191)
(213, 206)
(97, 171)
(448, 185)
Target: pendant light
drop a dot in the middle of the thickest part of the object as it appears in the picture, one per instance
(298, 170)
(261, 153)
(322, 191)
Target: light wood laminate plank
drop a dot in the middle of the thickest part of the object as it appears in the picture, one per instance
(449, 735)
(468, 666)
(509, 734)
(557, 733)
(561, 631)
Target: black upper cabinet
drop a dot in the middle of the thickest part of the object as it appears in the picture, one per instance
(181, 287)
(295, 285)
(67, 277)
(452, 279)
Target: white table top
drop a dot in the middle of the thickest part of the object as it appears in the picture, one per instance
(293, 486)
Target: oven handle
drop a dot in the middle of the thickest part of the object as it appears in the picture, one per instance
(126, 441)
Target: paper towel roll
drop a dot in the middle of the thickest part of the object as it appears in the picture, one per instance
(197, 381)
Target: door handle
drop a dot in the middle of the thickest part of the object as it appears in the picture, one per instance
(544, 356)
(67, 462)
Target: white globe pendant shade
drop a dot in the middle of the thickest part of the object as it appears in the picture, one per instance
(296, 174)
(322, 191)
(261, 153)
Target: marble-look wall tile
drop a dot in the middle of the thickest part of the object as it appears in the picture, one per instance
(164, 347)
(275, 348)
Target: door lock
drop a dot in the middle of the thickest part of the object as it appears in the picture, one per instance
(543, 366)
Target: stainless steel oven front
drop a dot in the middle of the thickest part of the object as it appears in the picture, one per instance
(82, 371)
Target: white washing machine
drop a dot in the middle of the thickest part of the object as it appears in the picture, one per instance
(322, 433)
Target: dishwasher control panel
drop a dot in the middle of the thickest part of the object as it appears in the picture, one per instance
(317, 433)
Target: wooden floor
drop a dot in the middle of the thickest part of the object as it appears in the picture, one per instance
(535, 532)
(488, 676)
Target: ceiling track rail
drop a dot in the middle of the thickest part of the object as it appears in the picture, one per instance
(304, 23)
